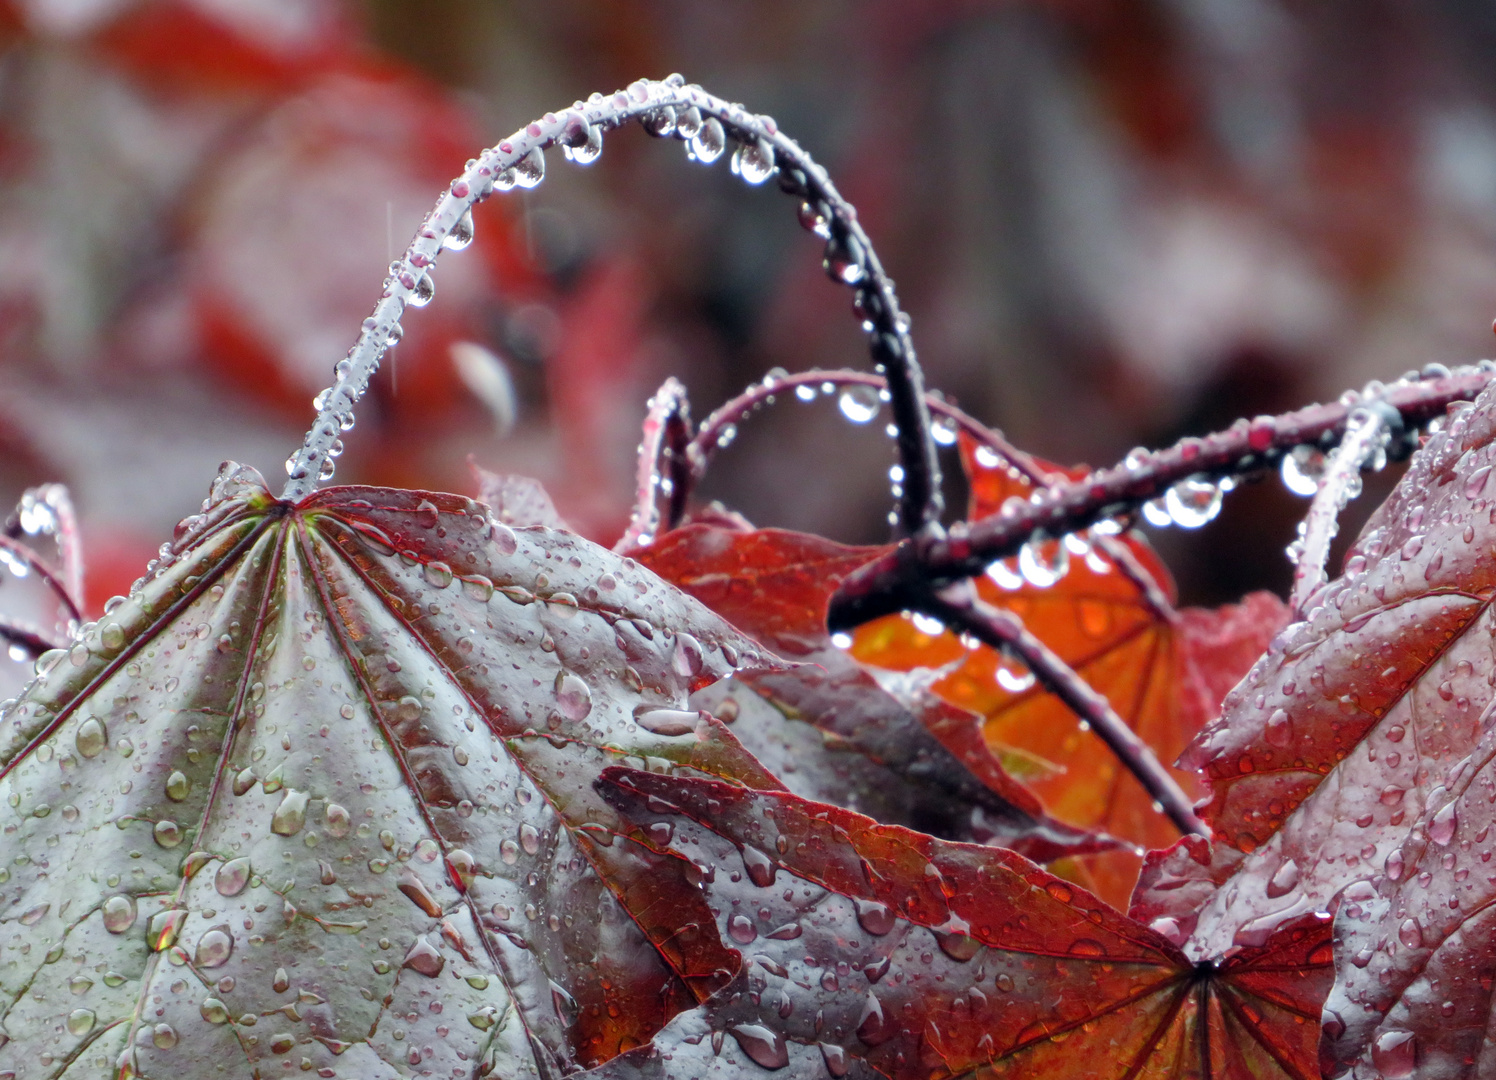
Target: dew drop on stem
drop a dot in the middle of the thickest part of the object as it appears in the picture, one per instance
(706, 145)
(529, 170)
(1193, 501)
(753, 161)
(461, 235)
(859, 404)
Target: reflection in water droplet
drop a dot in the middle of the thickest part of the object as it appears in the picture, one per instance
(1284, 879)
(119, 913)
(92, 737)
(1410, 933)
(177, 786)
(765, 1047)
(214, 948)
(859, 404)
(754, 161)
(81, 1021)
(1441, 828)
(573, 696)
(741, 929)
(873, 1027)
(1394, 865)
(835, 1058)
(666, 721)
(164, 1036)
(708, 143)
(1394, 1054)
(424, 959)
(231, 878)
(167, 833)
(339, 821)
(290, 815)
(214, 1011)
(874, 917)
(529, 838)
(760, 867)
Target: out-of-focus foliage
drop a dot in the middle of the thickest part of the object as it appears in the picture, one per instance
(197, 201)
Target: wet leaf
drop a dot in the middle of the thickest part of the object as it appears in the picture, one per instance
(1162, 671)
(827, 728)
(1415, 947)
(876, 948)
(1331, 749)
(322, 793)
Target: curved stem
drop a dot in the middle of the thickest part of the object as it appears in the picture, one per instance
(961, 610)
(1341, 482)
(763, 148)
(667, 429)
(894, 581)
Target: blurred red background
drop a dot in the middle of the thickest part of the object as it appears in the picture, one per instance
(1113, 223)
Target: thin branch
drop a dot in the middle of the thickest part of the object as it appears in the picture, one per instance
(707, 122)
(893, 582)
(45, 573)
(667, 431)
(961, 610)
(1366, 431)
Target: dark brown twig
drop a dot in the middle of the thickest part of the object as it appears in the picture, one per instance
(961, 610)
(896, 581)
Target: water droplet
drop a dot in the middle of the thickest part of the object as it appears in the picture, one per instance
(1477, 482)
(859, 404)
(1193, 502)
(177, 786)
(530, 169)
(1410, 933)
(761, 869)
(167, 833)
(1087, 947)
(232, 877)
(280, 982)
(509, 852)
(1039, 570)
(529, 838)
(424, 959)
(461, 235)
(874, 917)
(957, 944)
(422, 292)
(873, 1027)
(437, 574)
(666, 721)
(81, 1021)
(92, 737)
(119, 913)
(416, 892)
(707, 144)
(164, 1036)
(765, 1047)
(1284, 879)
(754, 161)
(1394, 1054)
(290, 815)
(339, 821)
(585, 146)
(214, 948)
(461, 868)
(573, 696)
(741, 929)
(1279, 729)
(214, 1011)
(835, 1058)
(1441, 828)
(688, 658)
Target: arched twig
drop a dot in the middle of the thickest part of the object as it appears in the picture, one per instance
(707, 123)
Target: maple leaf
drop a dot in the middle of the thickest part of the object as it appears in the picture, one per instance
(826, 727)
(1328, 753)
(1109, 615)
(319, 797)
(875, 948)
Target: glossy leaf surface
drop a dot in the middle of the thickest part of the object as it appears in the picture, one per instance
(1330, 750)
(826, 727)
(320, 799)
(874, 947)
